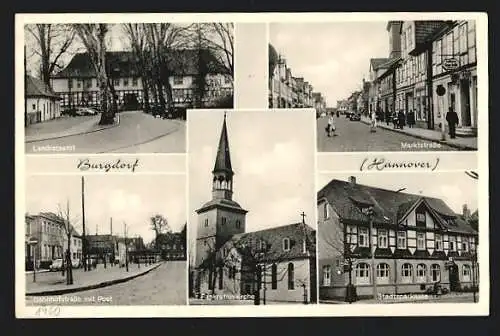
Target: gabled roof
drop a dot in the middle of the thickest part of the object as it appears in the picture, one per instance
(125, 64)
(390, 207)
(376, 63)
(272, 242)
(36, 88)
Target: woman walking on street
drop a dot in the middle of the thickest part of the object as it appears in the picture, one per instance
(373, 125)
(330, 128)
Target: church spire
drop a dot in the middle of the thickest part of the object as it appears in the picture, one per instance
(222, 186)
(223, 159)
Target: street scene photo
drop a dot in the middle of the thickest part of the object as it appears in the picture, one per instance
(105, 240)
(252, 228)
(380, 85)
(124, 87)
(406, 238)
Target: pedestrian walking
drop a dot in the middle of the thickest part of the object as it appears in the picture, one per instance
(338, 114)
(401, 119)
(373, 126)
(387, 117)
(452, 119)
(411, 119)
(330, 128)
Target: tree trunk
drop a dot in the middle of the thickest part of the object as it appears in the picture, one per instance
(145, 92)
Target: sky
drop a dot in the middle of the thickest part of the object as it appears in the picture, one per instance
(116, 40)
(272, 156)
(455, 188)
(332, 57)
(132, 199)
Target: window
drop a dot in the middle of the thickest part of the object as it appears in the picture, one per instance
(362, 272)
(421, 273)
(206, 222)
(134, 81)
(286, 244)
(33, 107)
(178, 80)
(326, 213)
(125, 82)
(382, 238)
(274, 276)
(238, 224)
(435, 273)
(406, 273)
(116, 82)
(363, 237)
(420, 241)
(465, 244)
(438, 242)
(466, 273)
(78, 84)
(383, 273)
(462, 38)
(327, 273)
(420, 218)
(453, 243)
(70, 84)
(291, 283)
(223, 220)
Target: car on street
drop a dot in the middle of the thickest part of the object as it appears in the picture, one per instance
(57, 265)
(75, 263)
(355, 117)
(85, 111)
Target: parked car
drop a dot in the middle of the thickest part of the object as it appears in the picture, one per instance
(57, 265)
(75, 263)
(84, 111)
(355, 117)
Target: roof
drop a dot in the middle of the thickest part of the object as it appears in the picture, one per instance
(376, 63)
(223, 158)
(125, 63)
(56, 218)
(390, 207)
(272, 242)
(37, 88)
(221, 202)
(100, 238)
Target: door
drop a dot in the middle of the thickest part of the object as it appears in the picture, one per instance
(465, 100)
(454, 280)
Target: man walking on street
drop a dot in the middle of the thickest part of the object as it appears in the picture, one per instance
(401, 119)
(452, 119)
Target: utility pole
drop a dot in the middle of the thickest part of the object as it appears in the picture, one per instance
(372, 254)
(126, 245)
(84, 241)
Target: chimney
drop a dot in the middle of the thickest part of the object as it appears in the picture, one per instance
(465, 211)
(352, 180)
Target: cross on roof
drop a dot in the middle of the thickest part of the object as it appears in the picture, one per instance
(303, 217)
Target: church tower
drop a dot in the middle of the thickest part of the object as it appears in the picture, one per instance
(221, 217)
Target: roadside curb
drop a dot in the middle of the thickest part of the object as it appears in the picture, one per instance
(458, 146)
(78, 133)
(94, 286)
(37, 271)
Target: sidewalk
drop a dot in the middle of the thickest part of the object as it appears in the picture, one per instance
(466, 143)
(53, 283)
(62, 127)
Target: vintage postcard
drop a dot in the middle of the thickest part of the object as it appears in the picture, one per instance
(251, 164)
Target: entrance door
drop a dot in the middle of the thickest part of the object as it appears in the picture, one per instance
(454, 280)
(465, 100)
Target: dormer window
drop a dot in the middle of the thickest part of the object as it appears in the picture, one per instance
(206, 222)
(286, 244)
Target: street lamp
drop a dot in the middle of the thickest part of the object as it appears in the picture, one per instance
(33, 242)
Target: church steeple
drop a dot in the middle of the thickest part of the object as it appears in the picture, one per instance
(222, 184)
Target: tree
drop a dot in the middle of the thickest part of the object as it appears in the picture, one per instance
(219, 39)
(93, 38)
(273, 61)
(53, 41)
(69, 230)
(159, 225)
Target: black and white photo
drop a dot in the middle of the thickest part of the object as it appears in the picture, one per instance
(124, 87)
(105, 240)
(404, 238)
(380, 85)
(251, 201)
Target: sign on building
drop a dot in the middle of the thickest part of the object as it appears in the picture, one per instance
(450, 64)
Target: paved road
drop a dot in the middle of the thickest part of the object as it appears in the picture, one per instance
(137, 133)
(165, 285)
(355, 136)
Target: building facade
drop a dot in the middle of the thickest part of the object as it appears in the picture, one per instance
(42, 103)
(277, 264)
(77, 84)
(456, 42)
(172, 246)
(417, 241)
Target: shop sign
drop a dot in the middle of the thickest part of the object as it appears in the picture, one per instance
(450, 64)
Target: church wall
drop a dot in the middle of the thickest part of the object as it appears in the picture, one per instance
(230, 228)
